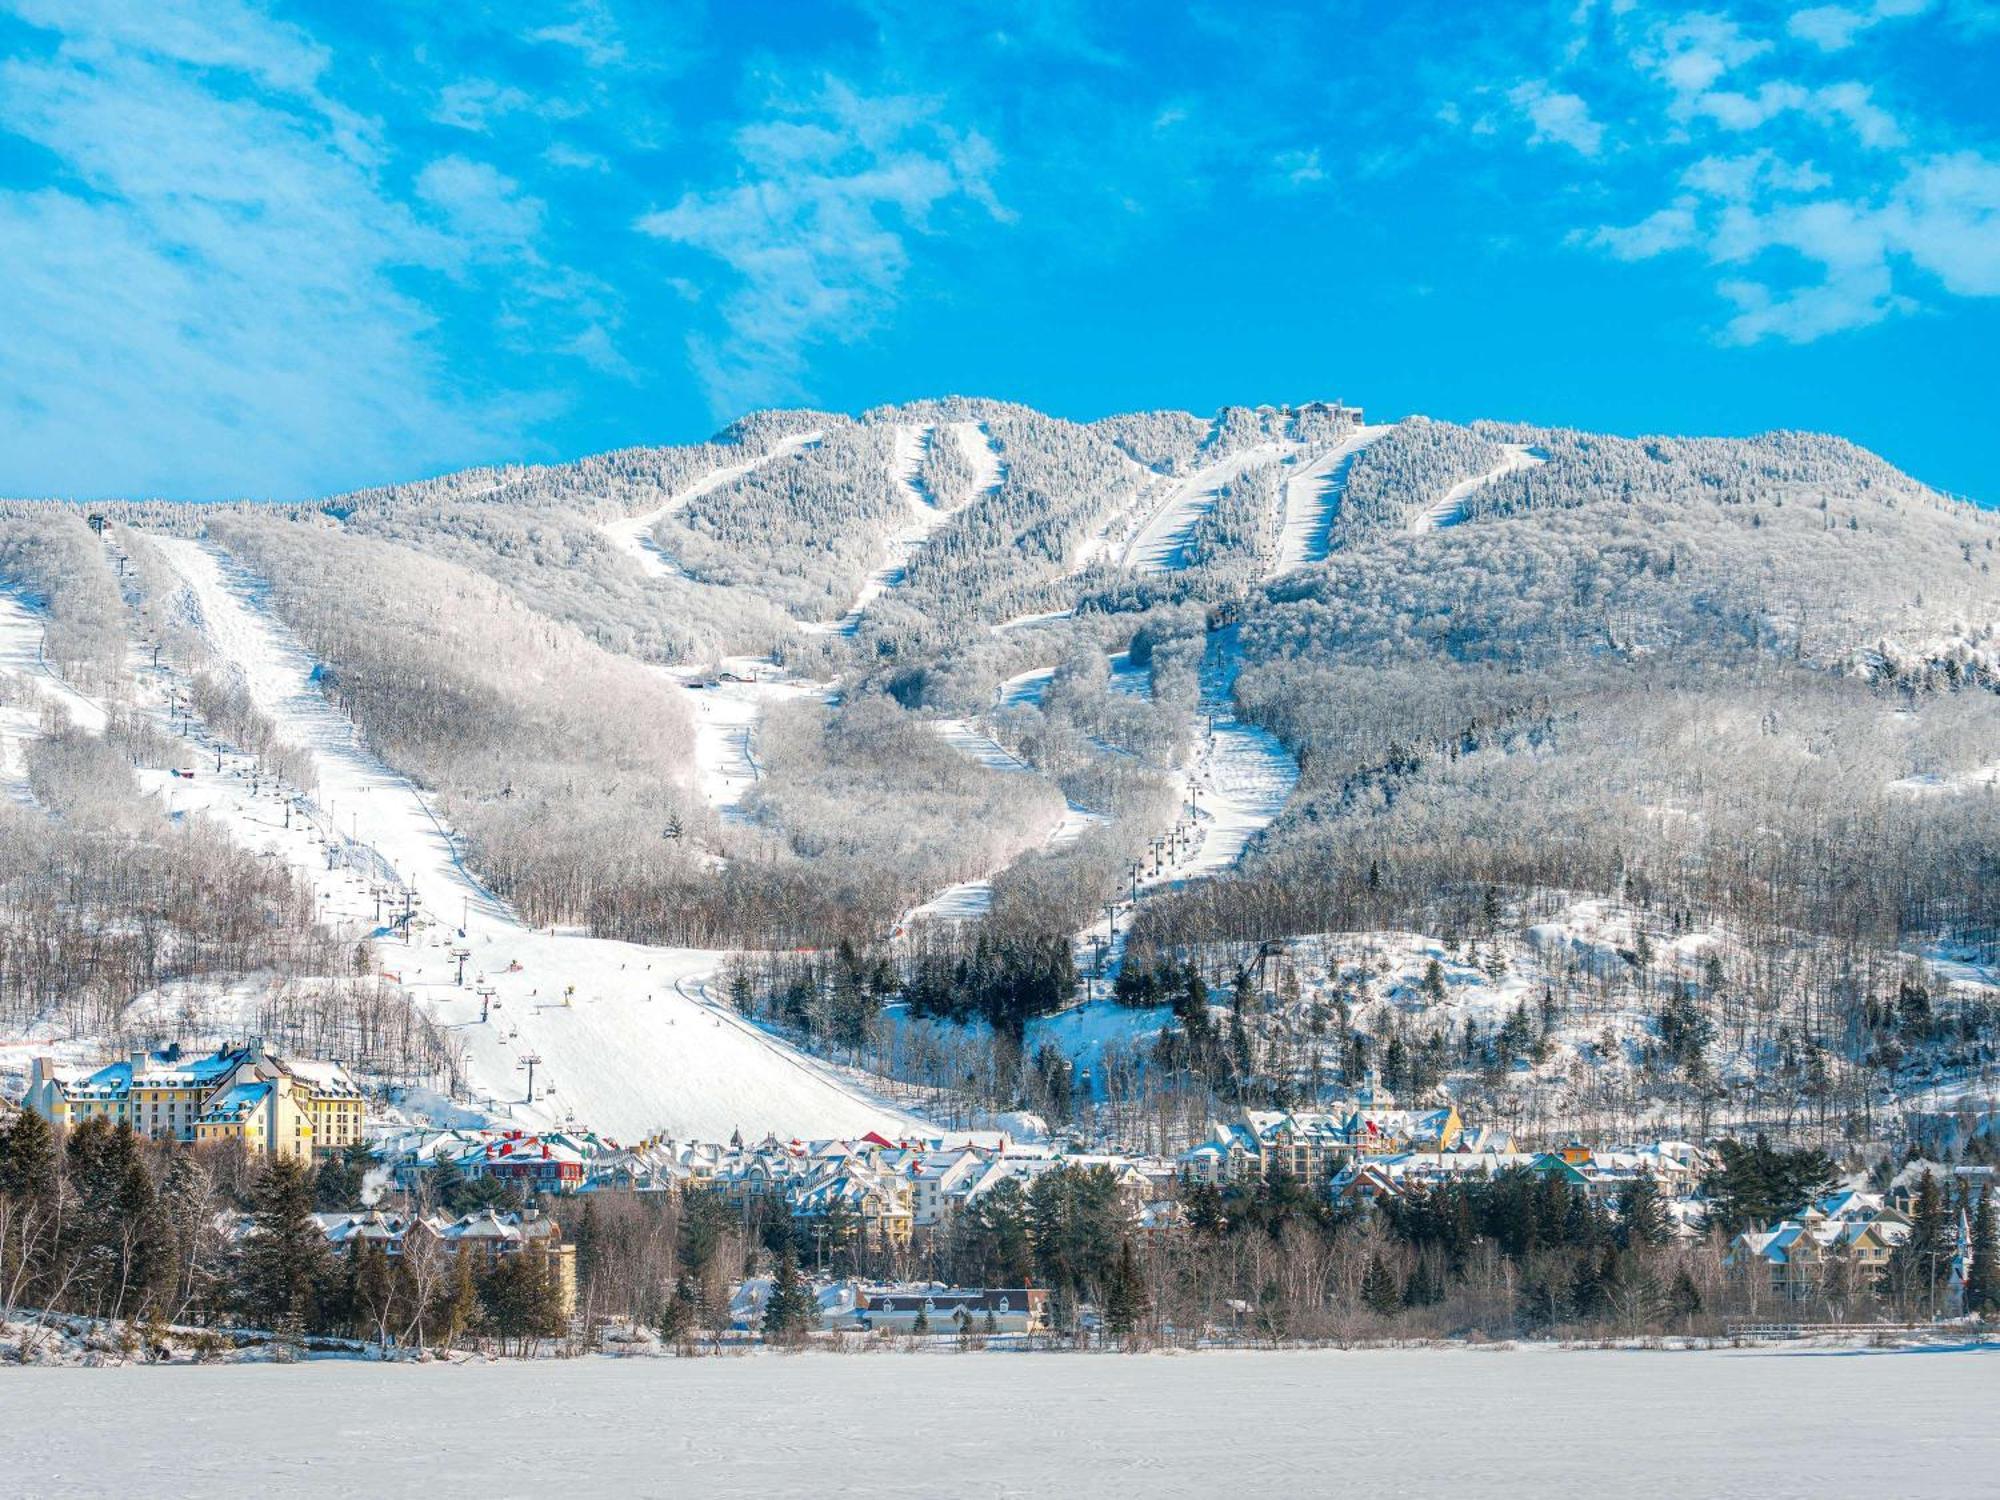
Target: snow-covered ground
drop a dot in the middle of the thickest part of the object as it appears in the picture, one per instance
(1244, 775)
(621, 1040)
(29, 687)
(1449, 508)
(1025, 688)
(1312, 496)
(1472, 1424)
(633, 535)
(1980, 778)
(1160, 545)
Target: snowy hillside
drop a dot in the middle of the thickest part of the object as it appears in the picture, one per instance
(956, 686)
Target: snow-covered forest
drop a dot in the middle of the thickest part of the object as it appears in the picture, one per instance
(1674, 758)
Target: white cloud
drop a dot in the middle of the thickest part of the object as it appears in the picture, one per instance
(479, 202)
(1558, 117)
(1670, 228)
(1833, 28)
(1694, 53)
(1806, 189)
(474, 103)
(208, 299)
(815, 236)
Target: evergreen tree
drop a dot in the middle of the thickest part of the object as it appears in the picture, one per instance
(1918, 1267)
(1642, 1214)
(790, 1311)
(286, 1263)
(678, 1319)
(520, 1298)
(371, 1292)
(1586, 1288)
(1982, 1281)
(1684, 1297)
(920, 1326)
(457, 1304)
(1379, 1292)
(1125, 1299)
(28, 1159)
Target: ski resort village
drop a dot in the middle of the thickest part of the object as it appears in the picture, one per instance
(957, 878)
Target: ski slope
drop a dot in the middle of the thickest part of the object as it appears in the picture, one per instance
(927, 516)
(29, 688)
(1025, 689)
(1311, 499)
(633, 535)
(1160, 545)
(1449, 508)
(1244, 775)
(976, 444)
(727, 708)
(974, 898)
(622, 1042)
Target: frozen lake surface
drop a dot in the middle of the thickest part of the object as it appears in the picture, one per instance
(1465, 1423)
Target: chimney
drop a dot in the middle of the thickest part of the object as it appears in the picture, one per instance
(139, 1060)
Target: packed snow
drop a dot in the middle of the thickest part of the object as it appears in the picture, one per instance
(27, 687)
(1475, 1424)
(1449, 508)
(1312, 498)
(621, 1038)
(1025, 689)
(633, 535)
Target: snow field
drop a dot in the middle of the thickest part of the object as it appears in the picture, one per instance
(1832, 1423)
(633, 535)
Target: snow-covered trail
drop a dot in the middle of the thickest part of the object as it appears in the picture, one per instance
(927, 516)
(976, 444)
(633, 535)
(1160, 545)
(1237, 785)
(974, 898)
(619, 1043)
(1025, 689)
(727, 709)
(1449, 508)
(1243, 776)
(1311, 499)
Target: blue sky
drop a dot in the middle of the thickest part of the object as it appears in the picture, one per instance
(290, 248)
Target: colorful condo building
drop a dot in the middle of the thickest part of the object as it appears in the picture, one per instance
(275, 1106)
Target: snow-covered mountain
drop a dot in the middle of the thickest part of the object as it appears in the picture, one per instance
(957, 671)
